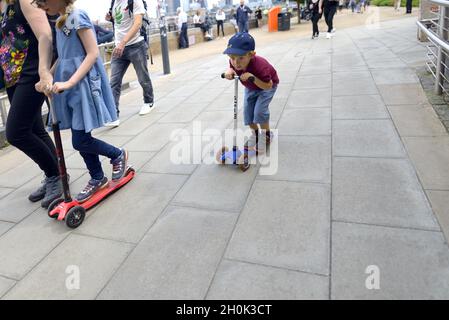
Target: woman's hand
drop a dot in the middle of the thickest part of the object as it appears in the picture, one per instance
(60, 87)
(45, 83)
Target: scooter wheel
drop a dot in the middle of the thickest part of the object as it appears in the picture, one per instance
(53, 205)
(220, 153)
(75, 217)
(244, 162)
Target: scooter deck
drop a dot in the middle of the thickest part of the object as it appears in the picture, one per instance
(62, 209)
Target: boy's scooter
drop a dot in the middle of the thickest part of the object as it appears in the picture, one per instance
(236, 156)
(68, 209)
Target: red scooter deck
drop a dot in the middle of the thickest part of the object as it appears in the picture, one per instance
(61, 210)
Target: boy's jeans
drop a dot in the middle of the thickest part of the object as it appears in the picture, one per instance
(137, 55)
(256, 105)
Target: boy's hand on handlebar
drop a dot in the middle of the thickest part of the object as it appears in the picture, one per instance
(246, 76)
(229, 74)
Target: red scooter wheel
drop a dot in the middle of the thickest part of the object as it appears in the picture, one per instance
(244, 162)
(219, 155)
(75, 217)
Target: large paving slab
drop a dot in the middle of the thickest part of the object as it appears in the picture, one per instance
(5, 285)
(409, 94)
(4, 227)
(440, 205)
(412, 264)
(307, 122)
(417, 120)
(24, 246)
(243, 281)
(379, 191)
(177, 258)
(310, 98)
(430, 156)
(306, 159)
(123, 218)
(359, 107)
(366, 138)
(219, 187)
(284, 224)
(94, 260)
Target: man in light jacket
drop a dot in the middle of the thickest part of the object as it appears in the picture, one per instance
(243, 13)
(182, 27)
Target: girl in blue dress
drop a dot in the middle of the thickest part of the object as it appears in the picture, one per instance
(81, 92)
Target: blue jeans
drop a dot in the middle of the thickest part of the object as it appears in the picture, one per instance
(255, 108)
(90, 149)
(137, 55)
(243, 26)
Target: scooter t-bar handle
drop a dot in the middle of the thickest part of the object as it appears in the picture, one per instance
(250, 79)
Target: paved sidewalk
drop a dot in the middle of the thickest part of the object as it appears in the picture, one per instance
(362, 182)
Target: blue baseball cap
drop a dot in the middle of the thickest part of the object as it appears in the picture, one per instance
(240, 44)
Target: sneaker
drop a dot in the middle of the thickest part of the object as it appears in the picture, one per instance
(119, 165)
(53, 190)
(113, 124)
(252, 141)
(39, 194)
(264, 141)
(91, 188)
(333, 30)
(328, 35)
(146, 108)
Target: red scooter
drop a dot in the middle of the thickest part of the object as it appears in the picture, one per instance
(68, 209)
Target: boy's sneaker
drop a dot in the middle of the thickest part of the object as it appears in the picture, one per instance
(146, 108)
(113, 124)
(265, 140)
(53, 190)
(251, 143)
(119, 165)
(90, 189)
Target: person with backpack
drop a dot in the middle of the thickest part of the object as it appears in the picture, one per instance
(127, 17)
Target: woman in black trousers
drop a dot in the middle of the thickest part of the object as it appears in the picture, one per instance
(314, 7)
(329, 10)
(25, 57)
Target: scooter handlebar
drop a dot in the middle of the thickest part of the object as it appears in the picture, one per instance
(250, 79)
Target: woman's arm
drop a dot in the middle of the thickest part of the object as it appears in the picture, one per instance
(38, 22)
(89, 42)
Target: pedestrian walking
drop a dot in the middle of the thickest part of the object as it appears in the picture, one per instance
(242, 18)
(408, 6)
(182, 27)
(329, 9)
(130, 48)
(220, 17)
(26, 53)
(233, 20)
(259, 17)
(314, 8)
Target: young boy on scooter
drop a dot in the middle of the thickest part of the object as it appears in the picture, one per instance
(244, 62)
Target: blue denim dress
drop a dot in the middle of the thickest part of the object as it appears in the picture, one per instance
(89, 104)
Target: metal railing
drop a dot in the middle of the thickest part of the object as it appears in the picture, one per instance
(105, 54)
(437, 31)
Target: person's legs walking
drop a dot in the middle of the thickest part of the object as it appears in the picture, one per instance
(26, 108)
(25, 130)
(140, 64)
(118, 70)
